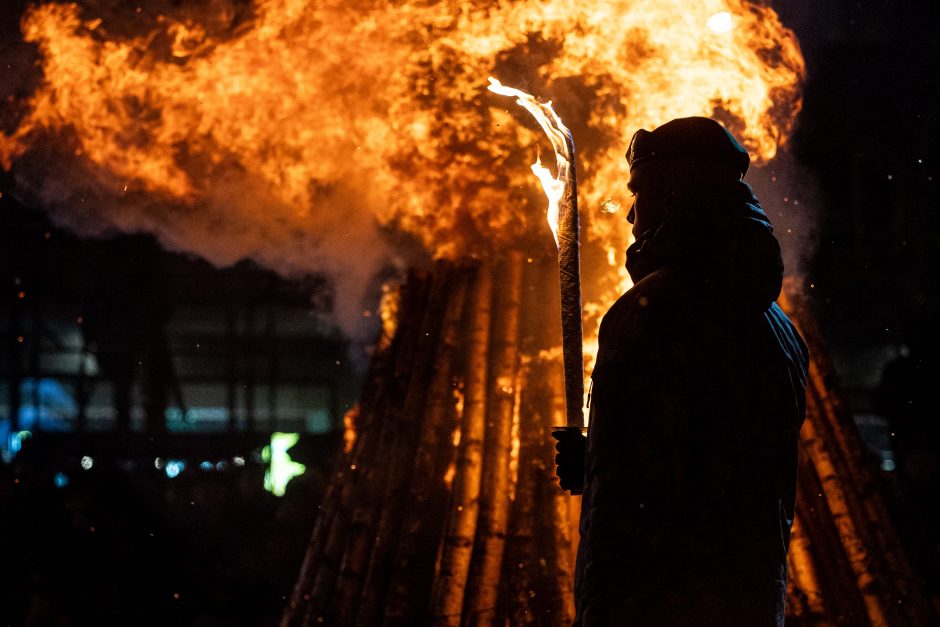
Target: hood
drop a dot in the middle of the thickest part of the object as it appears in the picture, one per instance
(724, 242)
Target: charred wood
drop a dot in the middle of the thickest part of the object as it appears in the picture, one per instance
(448, 594)
(423, 518)
(838, 491)
(486, 565)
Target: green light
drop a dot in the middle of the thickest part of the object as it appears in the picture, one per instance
(281, 467)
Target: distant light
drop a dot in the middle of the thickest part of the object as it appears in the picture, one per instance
(222, 466)
(17, 439)
(174, 467)
(61, 480)
(238, 460)
(282, 468)
(158, 463)
(720, 22)
(887, 465)
(87, 462)
(206, 465)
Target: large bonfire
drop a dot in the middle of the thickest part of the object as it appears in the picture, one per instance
(292, 131)
(308, 135)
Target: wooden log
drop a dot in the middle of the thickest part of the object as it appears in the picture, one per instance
(885, 560)
(448, 593)
(424, 517)
(856, 550)
(522, 570)
(538, 565)
(882, 571)
(377, 518)
(561, 538)
(842, 601)
(846, 563)
(359, 488)
(805, 587)
(480, 608)
(321, 555)
(412, 569)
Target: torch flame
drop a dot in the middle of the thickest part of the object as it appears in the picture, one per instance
(554, 188)
(560, 137)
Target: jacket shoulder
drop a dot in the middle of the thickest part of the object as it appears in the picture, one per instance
(789, 338)
(647, 313)
(649, 303)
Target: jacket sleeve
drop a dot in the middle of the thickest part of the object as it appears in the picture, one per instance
(636, 468)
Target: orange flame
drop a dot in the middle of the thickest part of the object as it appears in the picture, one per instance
(294, 135)
(557, 133)
(350, 434)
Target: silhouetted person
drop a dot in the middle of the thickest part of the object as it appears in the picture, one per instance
(698, 396)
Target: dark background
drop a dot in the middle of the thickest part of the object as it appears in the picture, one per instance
(216, 549)
(869, 135)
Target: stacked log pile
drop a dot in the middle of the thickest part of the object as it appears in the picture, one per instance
(446, 510)
(847, 566)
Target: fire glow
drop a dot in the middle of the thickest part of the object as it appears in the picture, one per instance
(562, 192)
(297, 132)
(557, 133)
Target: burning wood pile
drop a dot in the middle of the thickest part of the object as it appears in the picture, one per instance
(445, 509)
(846, 563)
(299, 133)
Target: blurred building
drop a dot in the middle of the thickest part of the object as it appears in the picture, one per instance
(120, 336)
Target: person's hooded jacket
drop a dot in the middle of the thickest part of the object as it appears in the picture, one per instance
(698, 397)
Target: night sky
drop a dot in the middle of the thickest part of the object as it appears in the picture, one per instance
(869, 134)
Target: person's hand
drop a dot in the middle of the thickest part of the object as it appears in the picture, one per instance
(571, 447)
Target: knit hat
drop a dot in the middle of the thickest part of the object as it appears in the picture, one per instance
(688, 139)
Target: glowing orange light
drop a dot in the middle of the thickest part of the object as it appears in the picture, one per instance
(556, 132)
(294, 136)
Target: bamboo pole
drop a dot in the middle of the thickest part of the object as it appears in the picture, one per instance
(480, 608)
(448, 594)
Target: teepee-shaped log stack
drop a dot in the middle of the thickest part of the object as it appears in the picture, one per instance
(446, 511)
(847, 566)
